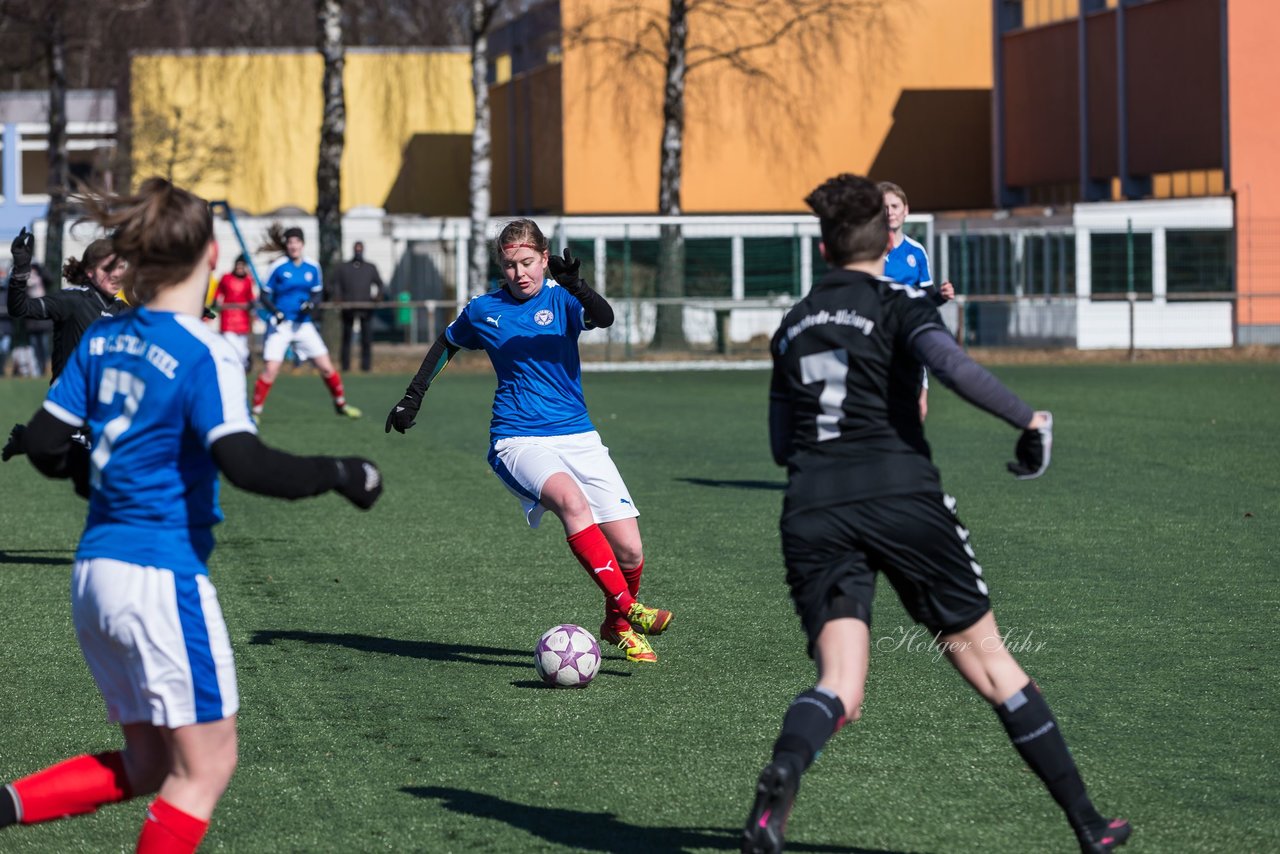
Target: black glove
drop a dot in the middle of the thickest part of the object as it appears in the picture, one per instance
(359, 481)
(1032, 451)
(565, 270)
(277, 316)
(404, 414)
(13, 447)
(306, 308)
(23, 249)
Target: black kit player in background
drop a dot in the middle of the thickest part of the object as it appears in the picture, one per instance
(863, 498)
(95, 280)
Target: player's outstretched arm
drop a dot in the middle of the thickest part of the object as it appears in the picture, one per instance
(405, 413)
(565, 271)
(254, 467)
(51, 448)
(954, 369)
(264, 298)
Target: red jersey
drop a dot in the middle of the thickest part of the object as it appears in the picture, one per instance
(234, 290)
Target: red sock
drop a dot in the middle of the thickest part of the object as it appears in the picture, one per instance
(73, 787)
(261, 389)
(595, 554)
(169, 830)
(334, 382)
(614, 617)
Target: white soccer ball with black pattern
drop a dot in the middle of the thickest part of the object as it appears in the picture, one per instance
(567, 657)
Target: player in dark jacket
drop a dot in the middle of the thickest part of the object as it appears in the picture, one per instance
(863, 498)
(94, 280)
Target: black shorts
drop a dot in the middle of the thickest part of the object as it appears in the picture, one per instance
(833, 554)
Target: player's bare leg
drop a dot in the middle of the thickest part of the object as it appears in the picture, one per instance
(842, 653)
(924, 404)
(980, 655)
(203, 760)
(146, 757)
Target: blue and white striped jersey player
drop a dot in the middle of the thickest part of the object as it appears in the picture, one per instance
(163, 398)
(291, 292)
(542, 443)
(907, 263)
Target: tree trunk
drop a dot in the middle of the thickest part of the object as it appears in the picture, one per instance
(333, 127)
(59, 170)
(481, 162)
(668, 333)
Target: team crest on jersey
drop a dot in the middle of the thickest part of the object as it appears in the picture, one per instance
(544, 317)
(307, 276)
(911, 262)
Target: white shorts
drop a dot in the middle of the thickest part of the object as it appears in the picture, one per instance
(525, 463)
(303, 337)
(155, 643)
(240, 343)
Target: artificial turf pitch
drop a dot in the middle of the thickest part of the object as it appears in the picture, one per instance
(389, 702)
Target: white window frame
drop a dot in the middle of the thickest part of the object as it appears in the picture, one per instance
(107, 140)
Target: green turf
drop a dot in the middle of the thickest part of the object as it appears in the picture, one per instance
(388, 696)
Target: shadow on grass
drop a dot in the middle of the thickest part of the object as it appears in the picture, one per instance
(430, 650)
(735, 484)
(539, 685)
(32, 556)
(599, 831)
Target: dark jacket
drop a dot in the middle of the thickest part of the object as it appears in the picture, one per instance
(357, 281)
(71, 309)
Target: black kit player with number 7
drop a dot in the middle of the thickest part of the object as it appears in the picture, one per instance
(864, 498)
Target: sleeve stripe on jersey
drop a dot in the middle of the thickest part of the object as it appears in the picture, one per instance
(231, 385)
(63, 415)
(227, 429)
(925, 328)
(448, 336)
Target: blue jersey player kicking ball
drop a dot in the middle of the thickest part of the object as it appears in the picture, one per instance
(542, 443)
(163, 399)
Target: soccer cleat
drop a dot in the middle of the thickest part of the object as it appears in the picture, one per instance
(650, 621)
(634, 644)
(347, 410)
(256, 411)
(775, 795)
(1110, 837)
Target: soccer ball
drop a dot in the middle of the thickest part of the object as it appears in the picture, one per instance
(567, 657)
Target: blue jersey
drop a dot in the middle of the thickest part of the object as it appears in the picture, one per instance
(908, 264)
(289, 285)
(533, 346)
(156, 390)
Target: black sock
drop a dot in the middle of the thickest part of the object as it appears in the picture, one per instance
(8, 809)
(811, 719)
(1036, 736)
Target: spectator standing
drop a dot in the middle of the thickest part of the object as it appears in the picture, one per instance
(357, 281)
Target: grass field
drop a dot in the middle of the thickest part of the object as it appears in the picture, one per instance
(389, 700)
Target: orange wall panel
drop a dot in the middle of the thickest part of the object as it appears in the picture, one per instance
(1254, 80)
(745, 152)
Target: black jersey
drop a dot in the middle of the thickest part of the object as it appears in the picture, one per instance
(71, 309)
(844, 371)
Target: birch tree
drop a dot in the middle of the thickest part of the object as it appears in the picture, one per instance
(333, 126)
(482, 17)
(695, 37)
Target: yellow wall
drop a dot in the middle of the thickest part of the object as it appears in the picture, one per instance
(249, 126)
(743, 152)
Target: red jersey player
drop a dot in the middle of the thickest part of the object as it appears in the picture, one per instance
(235, 294)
